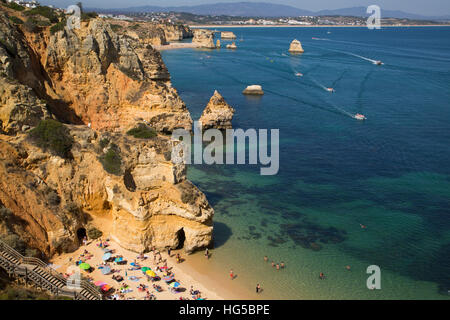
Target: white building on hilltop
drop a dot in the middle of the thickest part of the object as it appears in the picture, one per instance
(29, 4)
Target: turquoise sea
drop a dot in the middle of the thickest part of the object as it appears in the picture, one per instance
(390, 173)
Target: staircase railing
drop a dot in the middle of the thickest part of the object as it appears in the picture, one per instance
(19, 268)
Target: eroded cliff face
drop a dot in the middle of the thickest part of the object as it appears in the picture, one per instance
(112, 82)
(149, 203)
(204, 38)
(92, 75)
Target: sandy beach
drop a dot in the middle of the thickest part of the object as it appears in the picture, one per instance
(192, 271)
(63, 263)
(176, 45)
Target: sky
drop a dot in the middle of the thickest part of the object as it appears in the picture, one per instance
(422, 7)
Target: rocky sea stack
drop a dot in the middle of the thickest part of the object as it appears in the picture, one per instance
(81, 112)
(218, 113)
(253, 90)
(204, 38)
(227, 35)
(296, 47)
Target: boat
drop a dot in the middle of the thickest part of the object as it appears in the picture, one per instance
(330, 89)
(359, 116)
(378, 63)
(298, 74)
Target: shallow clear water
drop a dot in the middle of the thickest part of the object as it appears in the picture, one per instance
(390, 173)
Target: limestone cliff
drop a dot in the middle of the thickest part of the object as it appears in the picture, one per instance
(92, 75)
(296, 47)
(148, 202)
(227, 35)
(127, 187)
(218, 113)
(204, 38)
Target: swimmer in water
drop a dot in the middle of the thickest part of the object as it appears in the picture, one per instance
(348, 268)
(321, 276)
(362, 226)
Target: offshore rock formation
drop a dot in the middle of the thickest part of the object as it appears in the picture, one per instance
(157, 34)
(253, 90)
(296, 47)
(176, 32)
(227, 35)
(218, 113)
(204, 38)
(232, 45)
(149, 204)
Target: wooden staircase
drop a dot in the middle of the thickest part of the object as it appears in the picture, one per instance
(44, 277)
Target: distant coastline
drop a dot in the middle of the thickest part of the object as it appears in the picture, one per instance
(307, 26)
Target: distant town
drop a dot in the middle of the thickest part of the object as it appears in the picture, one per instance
(195, 19)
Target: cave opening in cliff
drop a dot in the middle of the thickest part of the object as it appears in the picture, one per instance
(181, 237)
(81, 233)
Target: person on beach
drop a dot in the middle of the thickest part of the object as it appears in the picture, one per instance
(231, 274)
(169, 251)
(207, 253)
(278, 266)
(273, 264)
(258, 288)
(282, 265)
(265, 258)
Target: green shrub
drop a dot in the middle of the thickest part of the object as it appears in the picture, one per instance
(54, 136)
(86, 16)
(15, 20)
(53, 198)
(104, 143)
(111, 160)
(142, 132)
(5, 214)
(116, 27)
(15, 242)
(94, 233)
(9, 48)
(31, 25)
(15, 6)
(45, 12)
(59, 26)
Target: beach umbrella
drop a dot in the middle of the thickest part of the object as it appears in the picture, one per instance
(106, 256)
(99, 283)
(119, 259)
(106, 288)
(168, 278)
(85, 266)
(174, 284)
(151, 273)
(145, 269)
(106, 270)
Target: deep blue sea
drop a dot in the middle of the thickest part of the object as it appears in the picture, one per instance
(390, 173)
